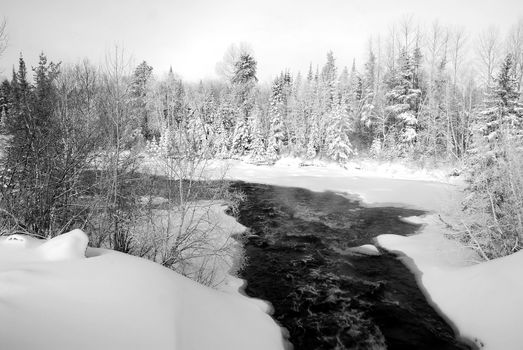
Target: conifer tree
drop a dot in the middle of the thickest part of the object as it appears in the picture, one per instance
(496, 163)
(5, 102)
(241, 138)
(277, 112)
(34, 173)
(403, 100)
(258, 148)
(339, 147)
(139, 91)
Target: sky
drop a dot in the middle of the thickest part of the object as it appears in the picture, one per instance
(192, 36)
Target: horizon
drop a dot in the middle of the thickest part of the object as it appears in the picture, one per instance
(192, 37)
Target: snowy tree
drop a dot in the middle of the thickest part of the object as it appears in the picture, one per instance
(503, 112)
(5, 101)
(226, 68)
(329, 80)
(277, 113)
(258, 148)
(243, 83)
(339, 147)
(313, 140)
(403, 100)
(244, 69)
(496, 167)
(37, 172)
(241, 139)
(367, 119)
(226, 116)
(276, 131)
(139, 93)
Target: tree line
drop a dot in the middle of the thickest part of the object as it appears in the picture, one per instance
(422, 95)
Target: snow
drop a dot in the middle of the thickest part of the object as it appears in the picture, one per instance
(207, 246)
(482, 300)
(374, 183)
(60, 294)
(366, 249)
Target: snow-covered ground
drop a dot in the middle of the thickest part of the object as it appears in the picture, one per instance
(60, 294)
(482, 300)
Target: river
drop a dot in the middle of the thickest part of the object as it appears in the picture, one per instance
(299, 258)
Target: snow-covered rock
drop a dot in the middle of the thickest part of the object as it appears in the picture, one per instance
(366, 249)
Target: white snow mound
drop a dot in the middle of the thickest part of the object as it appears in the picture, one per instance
(70, 245)
(55, 294)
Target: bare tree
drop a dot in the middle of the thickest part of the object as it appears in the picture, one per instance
(225, 68)
(3, 36)
(406, 33)
(515, 46)
(458, 40)
(488, 52)
(117, 164)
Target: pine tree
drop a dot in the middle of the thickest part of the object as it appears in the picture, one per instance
(35, 174)
(339, 147)
(277, 113)
(329, 82)
(276, 130)
(496, 167)
(258, 149)
(241, 140)
(244, 70)
(503, 112)
(5, 102)
(403, 101)
(313, 141)
(139, 91)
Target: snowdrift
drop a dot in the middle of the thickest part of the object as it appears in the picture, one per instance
(60, 294)
(482, 300)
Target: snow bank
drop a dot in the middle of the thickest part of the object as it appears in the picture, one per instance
(482, 300)
(59, 294)
(207, 246)
(374, 187)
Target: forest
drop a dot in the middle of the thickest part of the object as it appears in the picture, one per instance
(77, 134)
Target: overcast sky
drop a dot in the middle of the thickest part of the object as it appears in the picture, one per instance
(193, 35)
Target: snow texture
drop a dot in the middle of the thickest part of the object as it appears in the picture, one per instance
(57, 294)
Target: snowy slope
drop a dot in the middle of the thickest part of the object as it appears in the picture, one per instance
(53, 296)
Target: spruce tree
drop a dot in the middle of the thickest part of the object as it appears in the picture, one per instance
(339, 147)
(35, 174)
(139, 91)
(277, 113)
(5, 102)
(496, 163)
(403, 101)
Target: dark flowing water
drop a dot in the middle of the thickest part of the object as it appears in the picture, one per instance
(327, 298)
